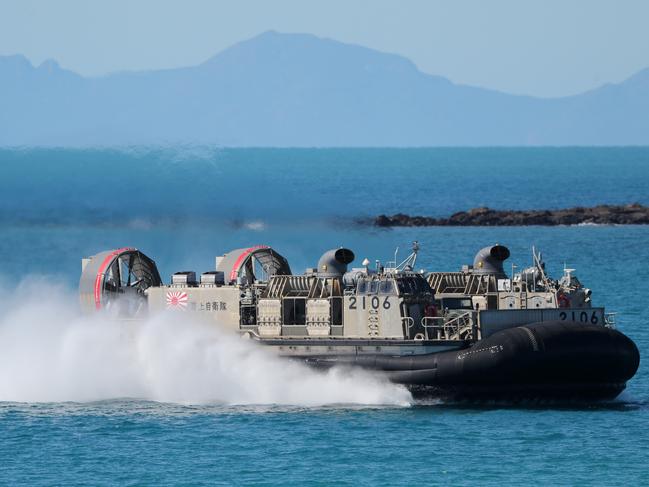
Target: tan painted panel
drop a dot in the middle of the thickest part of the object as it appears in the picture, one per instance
(218, 303)
(367, 316)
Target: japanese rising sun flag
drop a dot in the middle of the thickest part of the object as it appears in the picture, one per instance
(176, 300)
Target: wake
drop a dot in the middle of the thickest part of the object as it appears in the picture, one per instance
(49, 352)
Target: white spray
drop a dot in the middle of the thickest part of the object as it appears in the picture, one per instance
(51, 353)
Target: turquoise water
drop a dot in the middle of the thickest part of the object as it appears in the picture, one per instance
(66, 417)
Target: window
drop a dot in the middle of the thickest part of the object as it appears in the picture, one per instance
(386, 287)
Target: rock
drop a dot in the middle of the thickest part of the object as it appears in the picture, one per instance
(632, 214)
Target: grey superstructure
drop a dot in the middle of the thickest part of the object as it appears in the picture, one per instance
(483, 289)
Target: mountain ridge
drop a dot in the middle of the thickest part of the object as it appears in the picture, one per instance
(301, 90)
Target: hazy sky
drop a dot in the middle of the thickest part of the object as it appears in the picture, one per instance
(544, 48)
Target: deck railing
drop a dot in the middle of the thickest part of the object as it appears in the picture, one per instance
(407, 323)
(609, 320)
(457, 328)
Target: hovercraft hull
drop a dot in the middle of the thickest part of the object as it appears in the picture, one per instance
(559, 360)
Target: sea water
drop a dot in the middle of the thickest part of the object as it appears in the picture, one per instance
(83, 401)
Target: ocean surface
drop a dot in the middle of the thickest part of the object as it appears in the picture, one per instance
(85, 402)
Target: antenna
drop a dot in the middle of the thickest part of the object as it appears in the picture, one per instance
(538, 263)
(411, 260)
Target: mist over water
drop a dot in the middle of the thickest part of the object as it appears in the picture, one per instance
(49, 352)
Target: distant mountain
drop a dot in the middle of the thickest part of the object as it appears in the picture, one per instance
(301, 90)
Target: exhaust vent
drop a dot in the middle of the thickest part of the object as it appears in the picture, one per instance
(490, 261)
(333, 263)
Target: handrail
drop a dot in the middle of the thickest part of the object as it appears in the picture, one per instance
(434, 323)
(409, 322)
(609, 320)
(446, 330)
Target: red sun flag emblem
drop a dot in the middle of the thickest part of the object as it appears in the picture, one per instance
(177, 300)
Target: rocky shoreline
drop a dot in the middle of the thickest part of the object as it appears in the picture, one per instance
(633, 214)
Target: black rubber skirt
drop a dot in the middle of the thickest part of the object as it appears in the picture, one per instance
(557, 359)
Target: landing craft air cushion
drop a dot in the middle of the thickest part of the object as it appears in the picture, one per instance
(471, 334)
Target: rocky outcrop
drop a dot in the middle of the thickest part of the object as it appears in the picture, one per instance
(634, 214)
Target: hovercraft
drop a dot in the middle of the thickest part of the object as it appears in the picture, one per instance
(476, 333)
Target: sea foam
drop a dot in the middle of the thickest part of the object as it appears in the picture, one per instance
(49, 352)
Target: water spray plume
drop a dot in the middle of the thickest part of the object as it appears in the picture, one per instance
(49, 352)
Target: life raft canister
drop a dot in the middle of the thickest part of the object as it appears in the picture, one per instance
(563, 300)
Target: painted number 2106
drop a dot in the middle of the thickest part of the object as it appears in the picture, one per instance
(580, 316)
(374, 302)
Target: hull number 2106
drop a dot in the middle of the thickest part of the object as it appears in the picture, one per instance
(579, 316)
